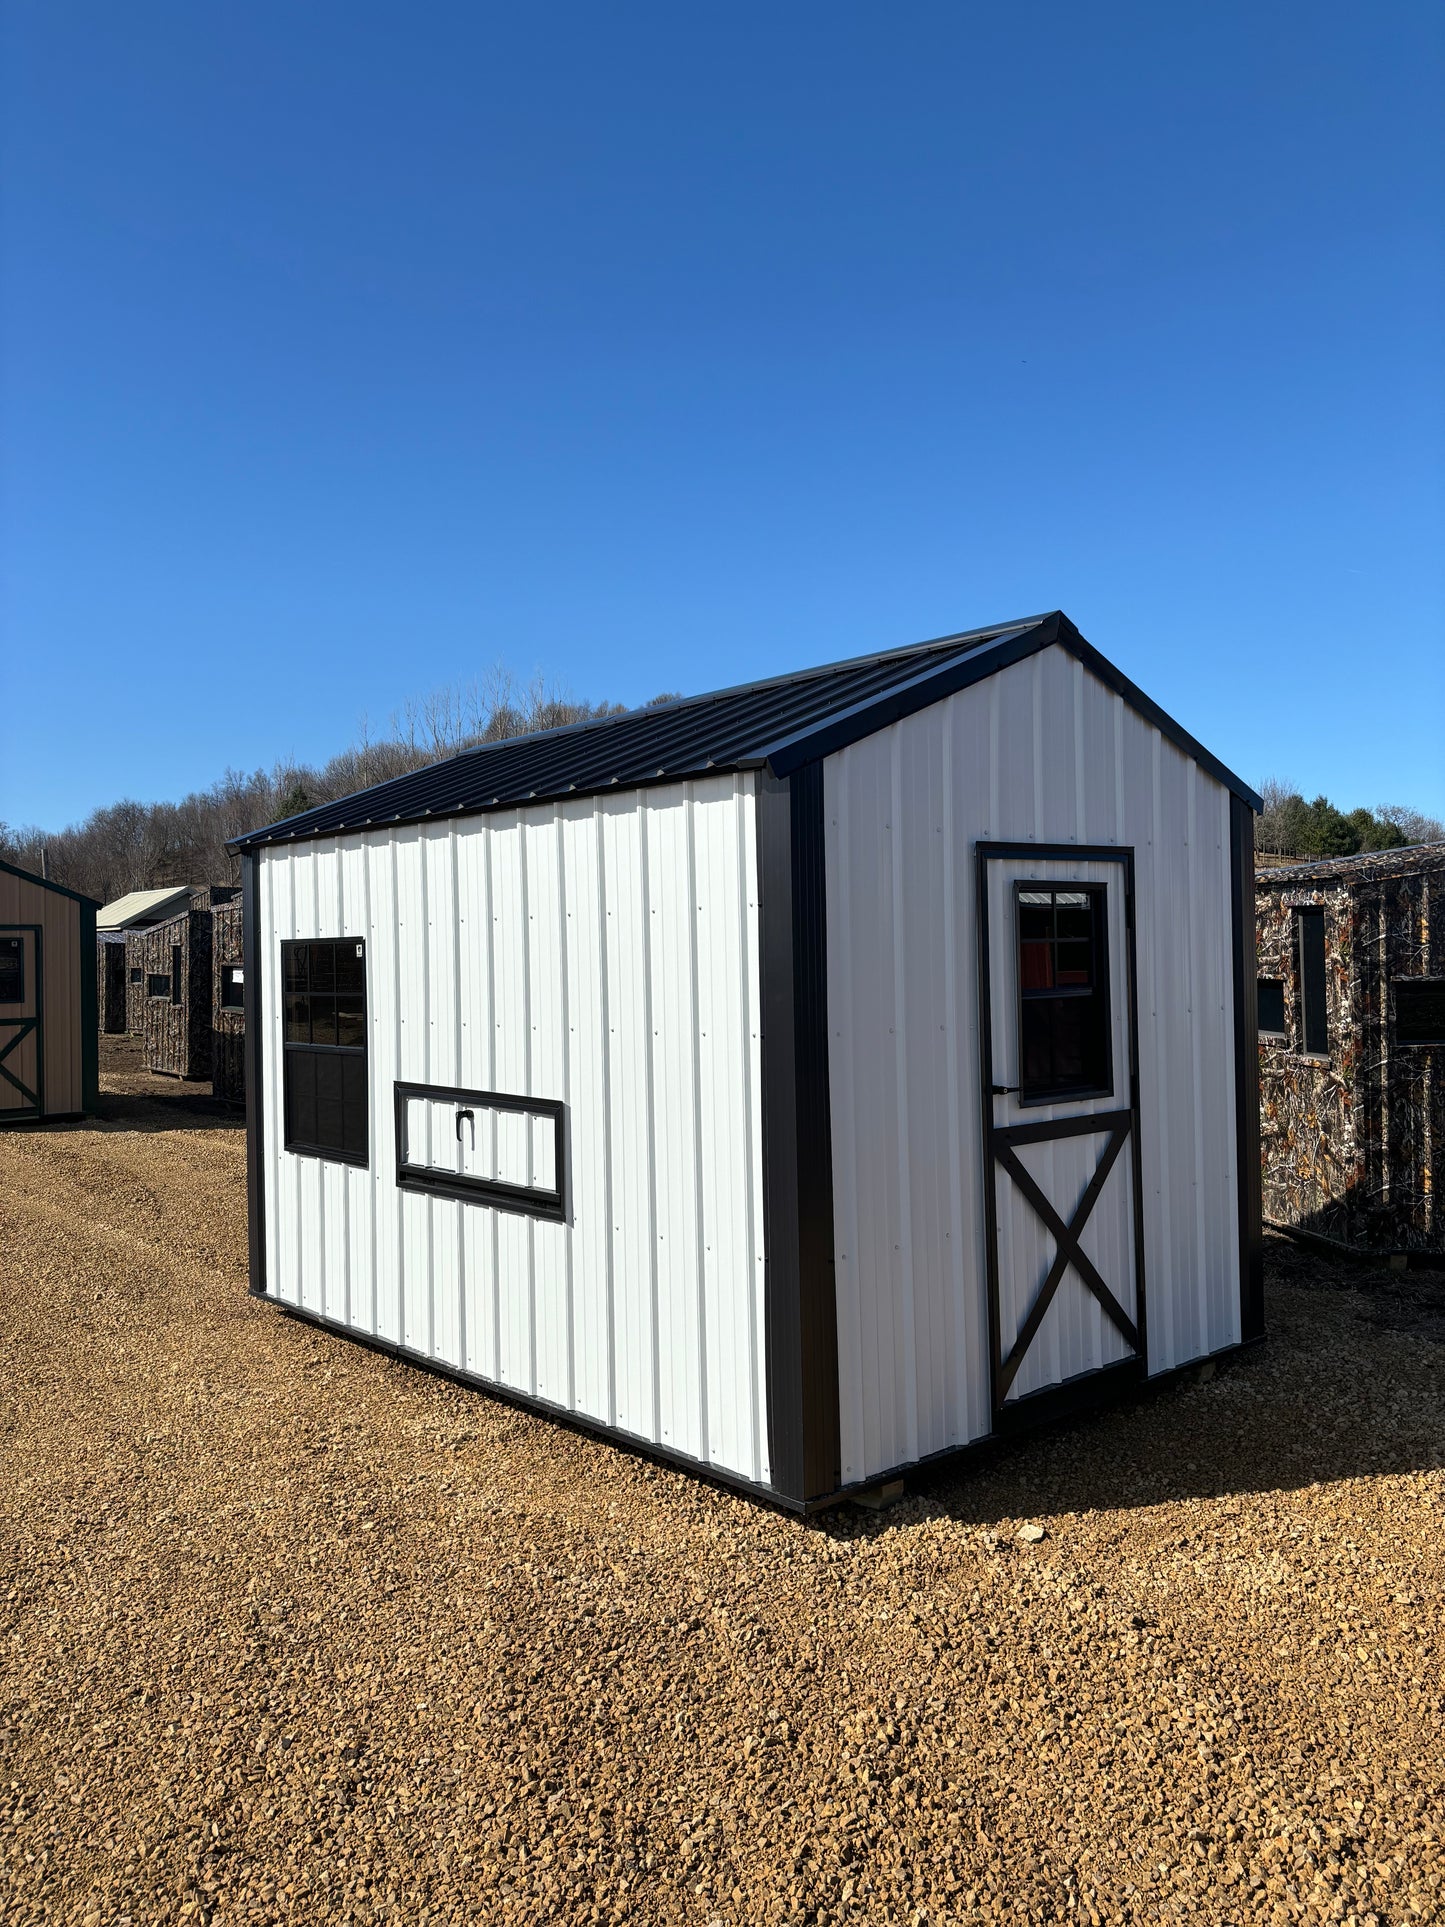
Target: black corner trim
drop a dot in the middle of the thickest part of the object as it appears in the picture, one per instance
(89, 1009)
(801, 1336)
(252, 1057)
(1246, 1071)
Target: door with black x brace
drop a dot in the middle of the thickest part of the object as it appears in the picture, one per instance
(1059, 1057)
(21, 1040)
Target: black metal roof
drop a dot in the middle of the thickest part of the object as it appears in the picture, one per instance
(776, 725)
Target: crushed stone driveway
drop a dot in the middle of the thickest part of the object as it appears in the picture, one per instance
(294, 1633)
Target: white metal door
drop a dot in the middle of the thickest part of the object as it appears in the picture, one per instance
(1059, 1054)
(21, 1088)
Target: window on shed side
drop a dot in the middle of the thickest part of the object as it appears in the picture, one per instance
(158, 985)
(1420, 1010)
(175, 973)
(325, 1070)
(137, 976)
(233, 991)
(1271, 1007)
(1314, 1030)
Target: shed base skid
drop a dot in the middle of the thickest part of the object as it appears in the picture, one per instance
(1089, 1397)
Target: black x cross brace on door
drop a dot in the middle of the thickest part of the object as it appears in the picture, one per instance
(1068, 1250)
(12, 1035)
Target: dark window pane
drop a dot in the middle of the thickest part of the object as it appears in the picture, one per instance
(351, 965)
(351, 1019)
(298, 1018)
(158, 986)
(1036, 965)
(1075, 922)
(323, 1017)
(328, 1101)
(12, 971)
(1036, 916)
(1076, 963)
(1314, 1024)
(354, 1125)
(1420, 1010)
(1064, 1042)
(233, 991)
(300, 1097)
(293, 965)
(323, 966)
(137, 976)
(175, 973)
(1271, 1007)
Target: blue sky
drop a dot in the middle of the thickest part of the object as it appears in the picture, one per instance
(349, 349)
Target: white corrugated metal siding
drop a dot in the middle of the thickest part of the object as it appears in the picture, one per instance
(1041, 752)
(602, 953)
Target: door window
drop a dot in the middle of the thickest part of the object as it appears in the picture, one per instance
(1063, 976)
(12, 971)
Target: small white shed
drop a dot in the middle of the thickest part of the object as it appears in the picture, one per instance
(800, 1082)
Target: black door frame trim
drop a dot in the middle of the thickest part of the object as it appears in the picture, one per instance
(998, 1151)
(25, 1025)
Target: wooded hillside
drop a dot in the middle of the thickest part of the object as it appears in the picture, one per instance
(137, 846)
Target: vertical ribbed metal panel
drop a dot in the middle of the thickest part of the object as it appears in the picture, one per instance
(1042, 752)
(601, 952)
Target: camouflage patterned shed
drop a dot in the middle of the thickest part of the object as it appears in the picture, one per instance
(1352, 1047)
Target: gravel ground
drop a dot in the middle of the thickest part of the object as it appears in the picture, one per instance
(294, 1633)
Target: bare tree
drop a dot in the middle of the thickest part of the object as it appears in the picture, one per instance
(133, 846)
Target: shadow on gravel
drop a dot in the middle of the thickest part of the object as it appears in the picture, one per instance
(189, 1108)
(1320, 1401)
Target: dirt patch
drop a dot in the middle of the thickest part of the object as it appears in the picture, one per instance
(133, 1095)
(292, 1632)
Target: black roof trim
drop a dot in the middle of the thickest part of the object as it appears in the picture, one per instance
(44, 883)
(779, 724)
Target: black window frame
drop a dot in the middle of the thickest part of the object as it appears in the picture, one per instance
(14, 947)
(306, 1063)
(1275, 1032)
(1312, 978)
(177, 968)
(233, 979)
(1031, 1092)
(137, 975)
(532, 1200)
(1412, 986)
(161, 995)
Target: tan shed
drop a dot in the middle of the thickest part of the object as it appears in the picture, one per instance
(49, 1044)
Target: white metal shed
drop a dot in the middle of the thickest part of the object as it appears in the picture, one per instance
(799, 1082)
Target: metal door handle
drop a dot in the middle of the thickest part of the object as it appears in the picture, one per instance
(471, 1119)
(1004, 1090)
